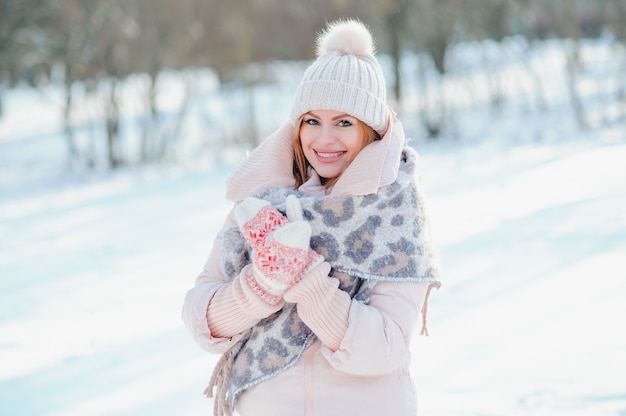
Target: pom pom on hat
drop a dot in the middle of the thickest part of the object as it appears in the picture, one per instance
(348, 37)
(346, 77)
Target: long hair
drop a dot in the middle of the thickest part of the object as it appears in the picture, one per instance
(301, 164)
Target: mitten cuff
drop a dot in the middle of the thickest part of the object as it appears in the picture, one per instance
(266, 289)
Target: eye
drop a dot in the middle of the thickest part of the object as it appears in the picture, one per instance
(311, 122)
(344, 123)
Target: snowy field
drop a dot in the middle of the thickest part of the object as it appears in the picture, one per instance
(528, 212)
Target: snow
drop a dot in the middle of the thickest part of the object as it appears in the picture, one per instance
(527, 212)
(533, 257)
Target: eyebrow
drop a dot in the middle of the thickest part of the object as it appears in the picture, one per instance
(337, 117)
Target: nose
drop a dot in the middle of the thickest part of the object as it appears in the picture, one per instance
(327, 135)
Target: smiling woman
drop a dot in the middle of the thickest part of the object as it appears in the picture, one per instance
(316, 280)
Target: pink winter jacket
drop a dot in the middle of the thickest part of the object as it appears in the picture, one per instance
(360, 363)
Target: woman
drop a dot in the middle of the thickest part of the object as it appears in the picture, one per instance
(315, 283)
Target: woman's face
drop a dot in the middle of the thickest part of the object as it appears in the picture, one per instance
(330, 141)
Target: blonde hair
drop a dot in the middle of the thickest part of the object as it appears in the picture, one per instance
(301, 164)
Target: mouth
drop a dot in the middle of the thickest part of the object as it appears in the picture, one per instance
(329, 156)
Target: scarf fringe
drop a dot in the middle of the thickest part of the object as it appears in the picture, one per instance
(220, 380)
(424, 311)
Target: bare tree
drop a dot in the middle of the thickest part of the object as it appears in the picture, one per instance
(618, 25)
(433, 25)
(71, 44)
(22, 29)
(164, 38)
(395, 22)
(571, 21)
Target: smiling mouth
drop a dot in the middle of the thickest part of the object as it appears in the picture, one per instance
(329, 155)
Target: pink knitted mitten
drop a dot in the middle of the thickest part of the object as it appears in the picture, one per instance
(281, 253)
(257, 219)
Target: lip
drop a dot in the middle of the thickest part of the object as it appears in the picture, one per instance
(329, 156)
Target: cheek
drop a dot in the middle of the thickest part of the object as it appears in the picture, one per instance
(355, 142)
(306, 138)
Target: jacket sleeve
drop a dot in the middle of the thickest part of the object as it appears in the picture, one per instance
(360, 339)
(217, 312)
(378, 336)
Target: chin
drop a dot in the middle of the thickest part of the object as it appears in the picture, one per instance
(329, 176)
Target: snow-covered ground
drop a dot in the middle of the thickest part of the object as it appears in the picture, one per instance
(529, 217)
(533, 246)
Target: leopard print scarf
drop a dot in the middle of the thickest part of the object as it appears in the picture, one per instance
(366, 239)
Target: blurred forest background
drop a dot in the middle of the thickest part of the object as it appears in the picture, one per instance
(93, 51)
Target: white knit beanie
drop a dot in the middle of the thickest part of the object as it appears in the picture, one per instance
(345, 77)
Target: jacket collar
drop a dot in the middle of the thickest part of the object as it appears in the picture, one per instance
(271, 165)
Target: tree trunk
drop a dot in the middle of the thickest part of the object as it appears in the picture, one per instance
(433, 108)
(395, 50)
(72, 150)
(150, 122)
(113, 128)
(571, 64)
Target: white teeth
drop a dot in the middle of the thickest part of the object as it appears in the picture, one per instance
(329, 154)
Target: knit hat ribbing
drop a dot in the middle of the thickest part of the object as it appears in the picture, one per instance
(345, 77)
